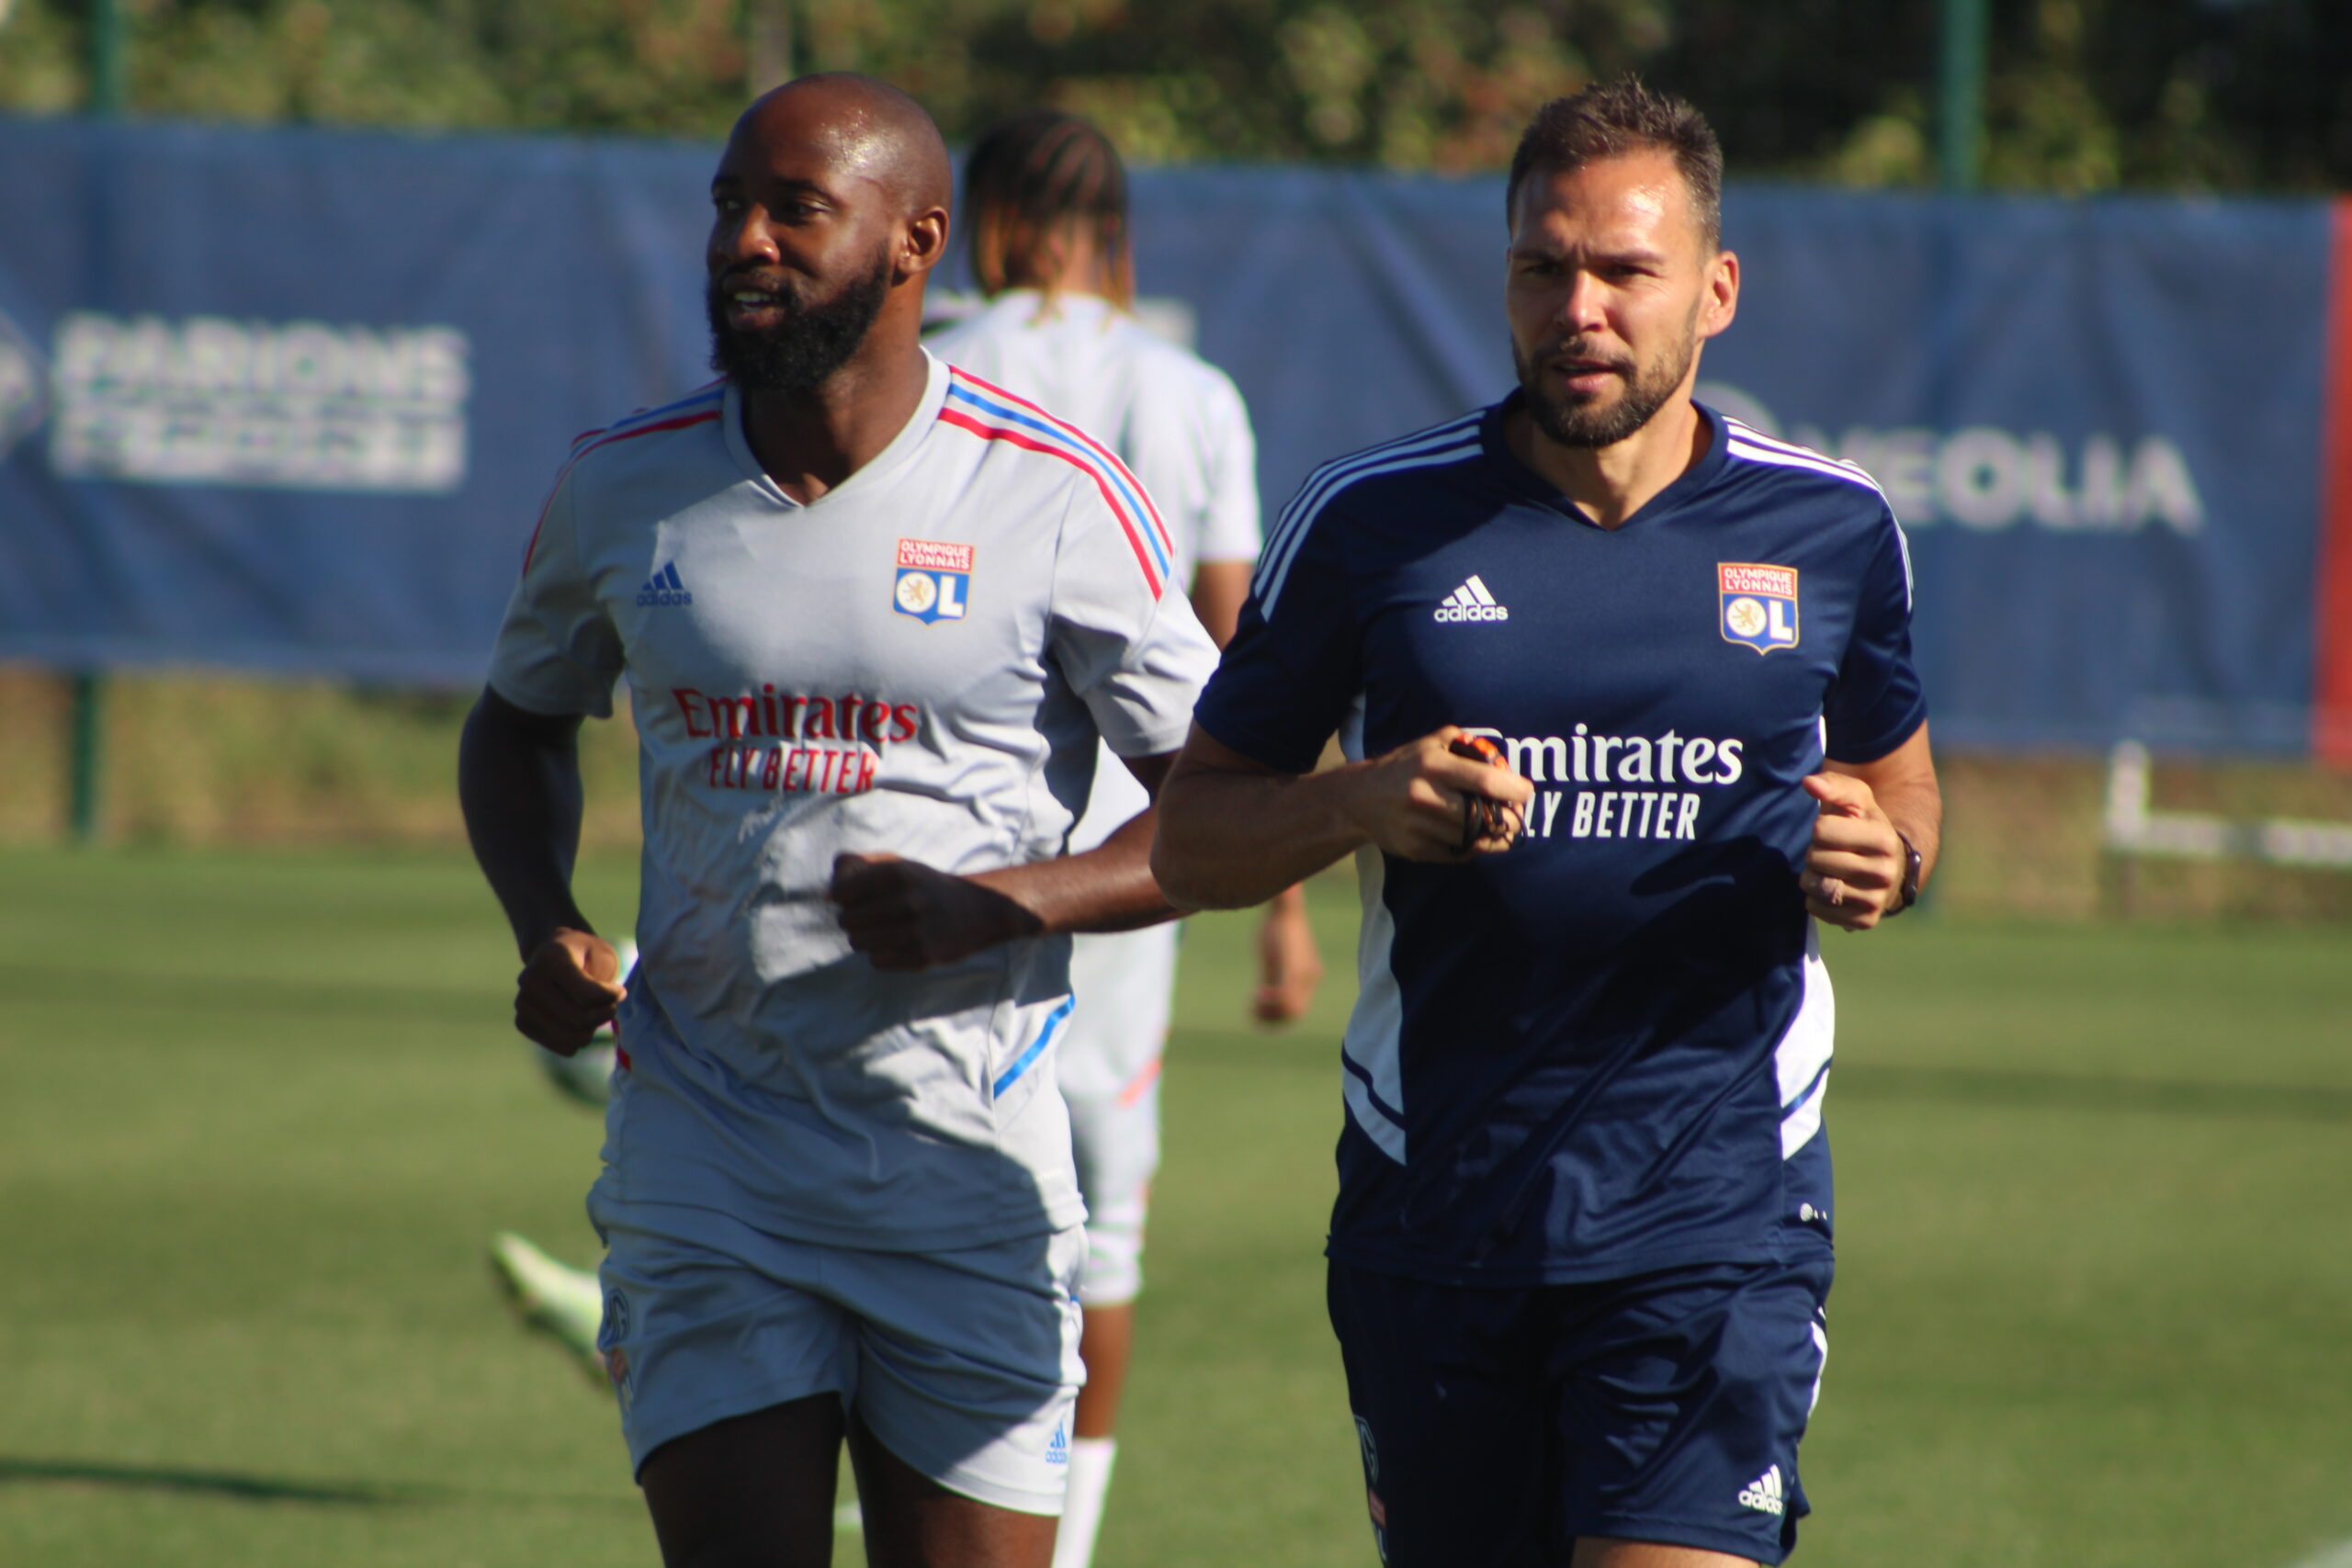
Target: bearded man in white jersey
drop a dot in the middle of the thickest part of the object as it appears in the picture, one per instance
(1045, 213)
(868, 609)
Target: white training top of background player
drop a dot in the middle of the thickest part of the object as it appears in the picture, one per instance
(918, 662)
(1178, 421)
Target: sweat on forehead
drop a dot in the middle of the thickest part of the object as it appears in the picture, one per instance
(867, 128)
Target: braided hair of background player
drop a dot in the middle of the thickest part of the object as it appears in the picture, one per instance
(1035, 174)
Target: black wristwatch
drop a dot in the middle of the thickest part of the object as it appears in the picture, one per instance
(1909, 894)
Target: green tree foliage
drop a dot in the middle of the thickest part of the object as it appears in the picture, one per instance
(595, 65)
(2084, 94)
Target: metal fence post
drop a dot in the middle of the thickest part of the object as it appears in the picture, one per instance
(110, 59)
(1960, 94)
(86, 752)
(110, 95)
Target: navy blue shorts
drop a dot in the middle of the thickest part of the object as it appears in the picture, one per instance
(1498, 1426)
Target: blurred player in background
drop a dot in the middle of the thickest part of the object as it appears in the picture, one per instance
(1582, 1244)
(1046, 213)
(868, 608)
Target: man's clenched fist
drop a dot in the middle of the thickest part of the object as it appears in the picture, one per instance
(1412, 801)
(570, 988)
(1853, 872)
(905, 915)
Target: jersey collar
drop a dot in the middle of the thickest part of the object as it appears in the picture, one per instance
(901, 447)
(1693, 482)
(1033, 307)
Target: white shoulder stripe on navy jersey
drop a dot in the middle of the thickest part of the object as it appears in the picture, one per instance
(1742, 445)
(1339, 470)
(1280, 568)
(1755, 437)
(1799, 458)
(1747, 436)
(1299, 514)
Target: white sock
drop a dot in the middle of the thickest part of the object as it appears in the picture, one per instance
(1089, 1483)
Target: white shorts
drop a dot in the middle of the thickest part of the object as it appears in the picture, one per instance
(964, 1364)
(1109, 1069)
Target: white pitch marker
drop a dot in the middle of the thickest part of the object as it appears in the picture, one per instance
(2336, 1556)
(848, 1519)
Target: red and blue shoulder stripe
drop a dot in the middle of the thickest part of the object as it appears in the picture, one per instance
(994, 415)
(698, 407)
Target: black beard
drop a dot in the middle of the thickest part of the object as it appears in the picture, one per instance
(814, 341)
(1595, 425)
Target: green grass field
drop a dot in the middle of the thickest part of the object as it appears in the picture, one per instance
(262, 1112)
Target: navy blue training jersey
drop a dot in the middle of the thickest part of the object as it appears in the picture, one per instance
(1605, 1051)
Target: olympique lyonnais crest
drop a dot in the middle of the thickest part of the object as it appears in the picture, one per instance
(1758, 605)
(934, 580)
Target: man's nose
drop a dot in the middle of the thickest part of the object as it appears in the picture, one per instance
(1582, 309)
(741, 237)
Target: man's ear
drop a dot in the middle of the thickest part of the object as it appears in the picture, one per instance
(924, 243)
(1721, 302)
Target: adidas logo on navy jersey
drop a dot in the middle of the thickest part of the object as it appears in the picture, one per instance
(1764, 1493)
(1471, 602)
(663, 589)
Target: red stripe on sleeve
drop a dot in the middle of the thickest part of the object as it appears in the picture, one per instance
(678, 423)
(2332, 678)
(1075, 433)
(958, 418)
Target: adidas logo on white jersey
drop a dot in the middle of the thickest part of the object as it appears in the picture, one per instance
(664, 589)
(1765, 1493)
(1471, 602)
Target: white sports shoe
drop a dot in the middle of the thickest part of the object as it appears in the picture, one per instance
(562, 1302)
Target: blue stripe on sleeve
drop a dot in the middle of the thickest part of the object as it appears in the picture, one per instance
(1111, 475)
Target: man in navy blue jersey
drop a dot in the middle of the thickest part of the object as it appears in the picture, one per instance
(1582, 1243)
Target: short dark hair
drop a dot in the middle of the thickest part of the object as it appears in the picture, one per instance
(1033, 174)
(1610, 120)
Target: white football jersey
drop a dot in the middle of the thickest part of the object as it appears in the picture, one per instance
(918, 662)
(1176, 420)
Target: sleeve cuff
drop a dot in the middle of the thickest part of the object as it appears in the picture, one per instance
(1846, 750)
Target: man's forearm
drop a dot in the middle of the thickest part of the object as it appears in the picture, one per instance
(1107, 888)
(1917, 813)
(1904, 784)
(518, 786)
(1231, 839)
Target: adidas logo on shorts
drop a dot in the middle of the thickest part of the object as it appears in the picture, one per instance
(1764, 1493)
(1058, 1450)
(1471, 602)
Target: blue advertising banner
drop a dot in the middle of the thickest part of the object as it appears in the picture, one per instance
(295, 397)
(2110, 476)
(2106, 455)
(289, 401)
